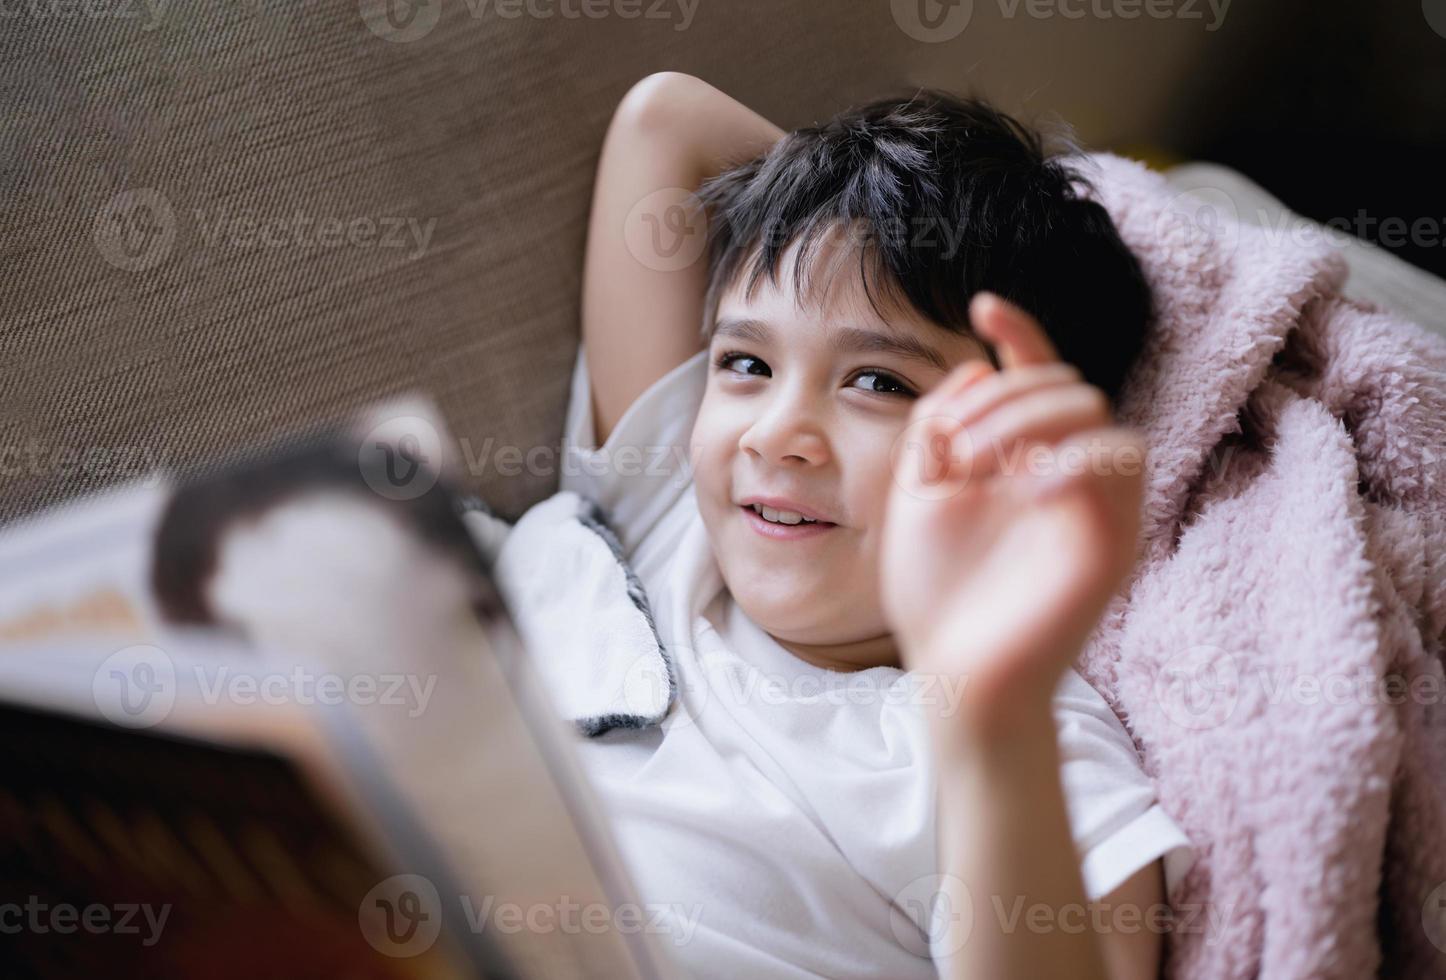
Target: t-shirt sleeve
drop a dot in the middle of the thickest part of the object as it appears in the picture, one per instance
(1118, 825)
(643, 467)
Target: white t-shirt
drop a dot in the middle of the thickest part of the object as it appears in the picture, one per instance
(780, 822)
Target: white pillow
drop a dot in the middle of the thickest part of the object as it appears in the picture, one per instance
(1377, 276)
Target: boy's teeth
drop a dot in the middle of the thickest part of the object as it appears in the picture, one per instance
(782, 516)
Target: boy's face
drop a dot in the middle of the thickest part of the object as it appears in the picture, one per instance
(800, 409)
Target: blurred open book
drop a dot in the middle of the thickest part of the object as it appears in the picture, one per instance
(277, 723)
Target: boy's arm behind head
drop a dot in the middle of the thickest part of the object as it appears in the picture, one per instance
(645, 273)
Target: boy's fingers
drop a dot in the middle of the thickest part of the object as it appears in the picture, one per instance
(958, 380)
(979, 400)
(1017, 337)
(1043, 418)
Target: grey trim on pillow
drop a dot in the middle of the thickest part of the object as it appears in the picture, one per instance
(487, 543)
(591, 517)
(469, 502)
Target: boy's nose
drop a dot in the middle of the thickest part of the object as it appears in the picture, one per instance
(787, 434)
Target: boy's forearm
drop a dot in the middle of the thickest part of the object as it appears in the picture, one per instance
(1005, 837)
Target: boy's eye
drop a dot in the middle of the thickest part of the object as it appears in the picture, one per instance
(883, 383)
(727, 359)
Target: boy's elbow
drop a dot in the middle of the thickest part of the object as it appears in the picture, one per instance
(657, 102)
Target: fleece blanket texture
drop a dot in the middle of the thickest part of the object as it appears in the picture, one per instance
(1277, 655)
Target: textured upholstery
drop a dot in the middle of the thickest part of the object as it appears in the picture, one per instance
(144, 320)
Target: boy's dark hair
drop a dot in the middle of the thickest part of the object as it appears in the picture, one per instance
(953, 197)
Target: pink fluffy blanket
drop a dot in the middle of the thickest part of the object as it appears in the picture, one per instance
(1278, 654)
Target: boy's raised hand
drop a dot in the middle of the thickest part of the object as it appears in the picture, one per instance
(1012, 520)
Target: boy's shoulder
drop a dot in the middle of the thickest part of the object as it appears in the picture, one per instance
(643, 468)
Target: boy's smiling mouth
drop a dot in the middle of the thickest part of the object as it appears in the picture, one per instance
(783, 519)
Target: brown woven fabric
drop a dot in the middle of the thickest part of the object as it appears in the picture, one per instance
(143, 321)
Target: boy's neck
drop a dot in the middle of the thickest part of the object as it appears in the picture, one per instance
(877, 651)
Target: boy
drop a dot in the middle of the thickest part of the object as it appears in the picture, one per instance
(864, 418)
